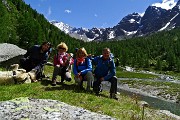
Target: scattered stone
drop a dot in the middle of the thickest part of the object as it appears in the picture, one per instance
(168, 113)
(143, 103)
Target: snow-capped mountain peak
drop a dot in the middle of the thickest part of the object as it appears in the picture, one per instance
(63, 27)
(157, 17)
(166, 4)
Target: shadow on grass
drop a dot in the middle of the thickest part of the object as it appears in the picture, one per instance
(65, 86)
(45, 82)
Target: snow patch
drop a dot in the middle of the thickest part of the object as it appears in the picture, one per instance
(166, 4)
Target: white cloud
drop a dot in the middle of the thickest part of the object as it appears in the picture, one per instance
(166, 4)
(49, 11)
(95, 15)
(67, 11)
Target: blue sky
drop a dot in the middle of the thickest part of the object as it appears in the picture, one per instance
(91, 13)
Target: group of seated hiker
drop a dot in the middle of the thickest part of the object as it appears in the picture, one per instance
(104, 66)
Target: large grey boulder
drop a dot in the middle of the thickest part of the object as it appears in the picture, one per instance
(8, 51)
(25, 108)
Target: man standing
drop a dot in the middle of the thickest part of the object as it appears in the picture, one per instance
(35, 58)
(105, 71)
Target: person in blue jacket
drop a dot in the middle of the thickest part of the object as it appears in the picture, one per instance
(105, 71)
(35, 58)
(82, 69)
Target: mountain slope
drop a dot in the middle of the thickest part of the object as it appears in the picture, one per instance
(23, 26)
(157, 17)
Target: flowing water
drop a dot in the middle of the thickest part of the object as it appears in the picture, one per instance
(153, 101)
(156, 102)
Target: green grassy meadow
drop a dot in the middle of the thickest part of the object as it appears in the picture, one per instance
(126, 108)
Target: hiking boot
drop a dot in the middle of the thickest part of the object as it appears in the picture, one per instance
(113, 96)
(88, 89)
(53, 83)
(97, 93)
(81, 88)
(68, 79)
(45, 76)
(62, 81)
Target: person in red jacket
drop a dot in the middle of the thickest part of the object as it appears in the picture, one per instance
(62, 64)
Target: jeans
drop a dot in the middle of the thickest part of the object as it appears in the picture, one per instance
(88, 77)
(113, 81)
(65, 75)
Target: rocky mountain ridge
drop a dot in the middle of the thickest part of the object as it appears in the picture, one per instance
(155, 19)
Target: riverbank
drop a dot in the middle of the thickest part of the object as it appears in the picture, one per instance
(160, 90)
(166, 106)
(153, 88)
(163, 106)
(163, 86)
